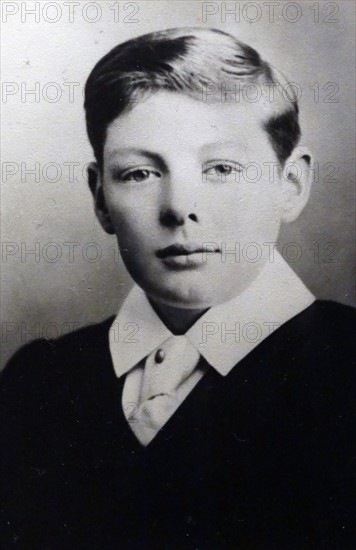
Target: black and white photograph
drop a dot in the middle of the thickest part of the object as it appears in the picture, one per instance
(178, 275)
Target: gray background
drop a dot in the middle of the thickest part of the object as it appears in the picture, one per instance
(55, 291)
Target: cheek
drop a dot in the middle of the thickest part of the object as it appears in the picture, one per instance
(121, 211)
(252, 213)
(132, 209)
(134, 228)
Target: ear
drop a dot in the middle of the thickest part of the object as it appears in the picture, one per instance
(296, 183)
(96, 187)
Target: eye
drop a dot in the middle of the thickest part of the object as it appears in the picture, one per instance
(138, 175)
(220, 170)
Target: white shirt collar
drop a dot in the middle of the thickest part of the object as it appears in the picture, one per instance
(226, 333)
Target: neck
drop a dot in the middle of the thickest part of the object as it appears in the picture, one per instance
(177, 320)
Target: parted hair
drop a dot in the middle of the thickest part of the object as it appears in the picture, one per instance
(188, 61)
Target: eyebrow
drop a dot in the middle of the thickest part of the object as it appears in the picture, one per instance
(156, 157)
(225, 144)
(231, 143)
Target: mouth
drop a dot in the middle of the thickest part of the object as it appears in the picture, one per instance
(183, 250)
(185, 255)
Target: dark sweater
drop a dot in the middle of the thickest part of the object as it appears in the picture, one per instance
(262, 458)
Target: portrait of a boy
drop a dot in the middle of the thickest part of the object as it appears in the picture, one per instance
(195, 434)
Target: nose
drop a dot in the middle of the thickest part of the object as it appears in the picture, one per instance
(174, 218)
(178, 205)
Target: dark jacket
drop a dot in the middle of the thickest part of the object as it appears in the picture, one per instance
(262, 458)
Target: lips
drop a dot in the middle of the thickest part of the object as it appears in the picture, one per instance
(182, 250)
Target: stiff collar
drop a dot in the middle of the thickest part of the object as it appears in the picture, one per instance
(226, 333)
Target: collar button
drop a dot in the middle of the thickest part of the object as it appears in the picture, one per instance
(160, 355)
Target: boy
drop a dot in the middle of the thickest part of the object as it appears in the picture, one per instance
(190, 433)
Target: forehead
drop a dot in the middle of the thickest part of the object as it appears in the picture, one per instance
(167, 120)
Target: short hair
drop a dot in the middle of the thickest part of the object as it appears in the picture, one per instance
(186, 60)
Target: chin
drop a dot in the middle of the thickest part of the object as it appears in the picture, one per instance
(188, 297)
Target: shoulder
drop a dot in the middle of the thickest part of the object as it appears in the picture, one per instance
(332, 313)
(324, 324)
(316, 351)
(311, 355)
(33, 365)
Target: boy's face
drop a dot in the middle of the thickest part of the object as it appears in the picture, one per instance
(192, 196)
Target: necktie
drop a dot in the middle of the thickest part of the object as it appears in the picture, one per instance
(166, 369)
